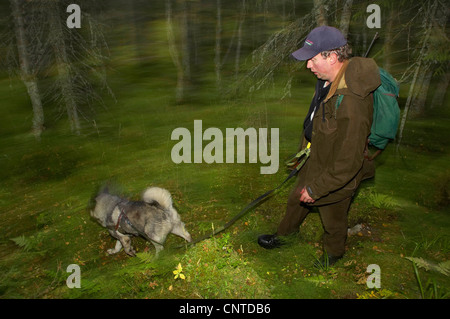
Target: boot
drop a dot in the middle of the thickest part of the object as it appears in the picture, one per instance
(269, 241)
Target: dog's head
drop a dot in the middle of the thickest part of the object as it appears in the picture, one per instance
(104, 205)
(180, 230)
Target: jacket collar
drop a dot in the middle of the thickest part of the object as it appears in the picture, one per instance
(339, 82)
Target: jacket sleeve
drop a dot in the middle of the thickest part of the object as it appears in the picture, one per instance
(353, 122)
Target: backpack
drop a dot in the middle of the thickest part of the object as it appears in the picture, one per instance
(386, 112)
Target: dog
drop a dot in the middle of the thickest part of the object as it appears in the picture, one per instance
(152, 218)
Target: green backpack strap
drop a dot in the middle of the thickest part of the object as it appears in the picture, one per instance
(339, 100)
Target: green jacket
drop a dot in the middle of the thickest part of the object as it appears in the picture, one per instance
(336, 164)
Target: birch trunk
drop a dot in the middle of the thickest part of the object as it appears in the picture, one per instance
(27, 76)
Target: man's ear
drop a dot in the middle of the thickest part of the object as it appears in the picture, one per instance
(333, 58)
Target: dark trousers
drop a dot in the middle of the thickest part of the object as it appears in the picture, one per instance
(333, 216)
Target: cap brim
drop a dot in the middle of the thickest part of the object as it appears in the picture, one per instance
(304, 53)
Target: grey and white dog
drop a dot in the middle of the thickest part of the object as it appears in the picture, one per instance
(153, 218)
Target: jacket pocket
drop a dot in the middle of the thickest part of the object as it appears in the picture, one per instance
(331, 124)
(324, 119)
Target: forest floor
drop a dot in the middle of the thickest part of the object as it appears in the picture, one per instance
(47, 188)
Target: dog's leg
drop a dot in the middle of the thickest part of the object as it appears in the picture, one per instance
(126, 242)
(118, 246)
(116, 249)
(157, 238)
(158, 248)
(122, 241)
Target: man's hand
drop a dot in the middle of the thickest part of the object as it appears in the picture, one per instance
(305, 198)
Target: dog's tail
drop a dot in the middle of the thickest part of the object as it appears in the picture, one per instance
(160, 195)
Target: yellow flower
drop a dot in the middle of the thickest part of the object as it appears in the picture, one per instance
(177, 272)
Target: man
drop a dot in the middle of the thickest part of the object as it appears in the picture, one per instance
(338, 137)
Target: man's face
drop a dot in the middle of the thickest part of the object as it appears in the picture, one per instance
(320, 67)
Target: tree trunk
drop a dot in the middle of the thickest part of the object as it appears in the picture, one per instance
(441, 90)
(217, 60)
(63, 68)
(389, 39)
(174, 53)
(135, 27)
(419, 64)
(419, 102)
(27, 76)
(239, 41)
(346, 17)
(186, 44)
(320, 13)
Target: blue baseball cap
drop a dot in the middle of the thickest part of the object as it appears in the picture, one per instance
(323, 38)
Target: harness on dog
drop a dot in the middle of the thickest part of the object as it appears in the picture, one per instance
(119, 219)
(127, 220)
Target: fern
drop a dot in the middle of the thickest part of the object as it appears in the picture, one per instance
(26, 243)
(144, 261)
(442, 268)
(146, 257)
(381, 200)
(431, 289)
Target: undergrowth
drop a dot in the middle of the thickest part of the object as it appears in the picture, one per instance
(46, 226)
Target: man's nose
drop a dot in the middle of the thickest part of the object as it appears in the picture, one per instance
(309, 64)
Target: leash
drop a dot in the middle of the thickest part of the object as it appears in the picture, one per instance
(295, 163)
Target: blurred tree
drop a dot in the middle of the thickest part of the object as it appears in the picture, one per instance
(428, 21)
(78, 58)
(47, 46)
(218, 47)
(389, 35)
(441, 89)
(180, 57)
(436, 64)
(64, 77)
(320, 12)
(345, 17)
(239, 40)
(28, 70)
(275, 53)
(135, 20)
